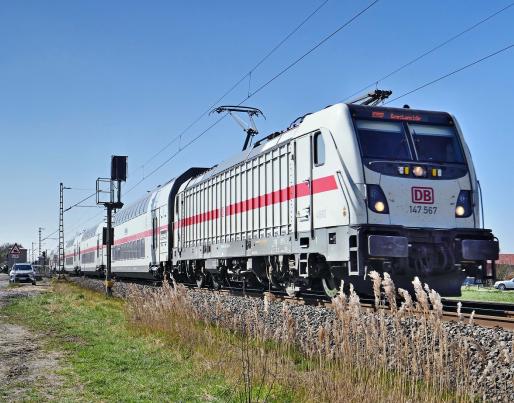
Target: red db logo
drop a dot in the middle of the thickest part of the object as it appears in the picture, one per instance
(422, 195)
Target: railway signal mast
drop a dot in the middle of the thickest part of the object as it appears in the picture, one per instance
(111, 187)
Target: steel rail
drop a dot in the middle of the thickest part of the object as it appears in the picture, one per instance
(487, 314)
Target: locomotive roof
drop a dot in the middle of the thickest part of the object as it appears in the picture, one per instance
(302, 124)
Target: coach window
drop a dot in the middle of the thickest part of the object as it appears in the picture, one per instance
(319, 149)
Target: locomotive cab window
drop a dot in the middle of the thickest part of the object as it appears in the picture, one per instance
(436, 143)
(319, 149)
(383, 140)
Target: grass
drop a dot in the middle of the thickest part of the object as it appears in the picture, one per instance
(105, 360)
(159, 346)
(486, 294)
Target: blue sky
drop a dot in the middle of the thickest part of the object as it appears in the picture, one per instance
(82, 80)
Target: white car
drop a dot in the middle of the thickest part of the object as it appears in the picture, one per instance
(504, 284)
(22, 272)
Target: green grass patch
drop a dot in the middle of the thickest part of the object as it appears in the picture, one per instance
(486, 294)
(104, 359)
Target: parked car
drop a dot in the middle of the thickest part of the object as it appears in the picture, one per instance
(505, 284)
(469, 281)
(22, 272)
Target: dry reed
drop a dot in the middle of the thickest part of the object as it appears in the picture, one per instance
(353, 356)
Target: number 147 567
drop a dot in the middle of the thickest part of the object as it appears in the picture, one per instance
(422, 209)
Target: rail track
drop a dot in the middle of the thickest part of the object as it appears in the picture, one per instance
(487, 314)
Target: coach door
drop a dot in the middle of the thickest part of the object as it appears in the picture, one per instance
(163, 234)
(155, 236)
(303, 185)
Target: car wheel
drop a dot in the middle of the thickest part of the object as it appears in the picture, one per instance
(501, 287)
(33, 283)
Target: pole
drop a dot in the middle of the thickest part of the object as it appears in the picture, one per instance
(39, 250)
(108, 281)
(60, 258)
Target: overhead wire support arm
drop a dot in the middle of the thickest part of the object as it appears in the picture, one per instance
(249, 128)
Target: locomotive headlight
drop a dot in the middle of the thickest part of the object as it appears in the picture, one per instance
(419, 171)
(377, 201)
(379, 207)
(460, 211)
(463, 206)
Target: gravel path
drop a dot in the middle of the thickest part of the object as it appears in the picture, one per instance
(491, 349)
(24, 364)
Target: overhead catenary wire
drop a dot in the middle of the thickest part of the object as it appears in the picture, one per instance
(77, 204)
(429, 51)
(237, 82)
(473, 63)
(320, 43)
(175, 154)
(260, 88)
(80, 201)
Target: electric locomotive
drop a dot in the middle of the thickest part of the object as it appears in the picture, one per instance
(343, 191)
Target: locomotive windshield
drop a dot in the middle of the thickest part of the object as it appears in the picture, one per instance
(436, 143)
(407, 141)
(383, 140)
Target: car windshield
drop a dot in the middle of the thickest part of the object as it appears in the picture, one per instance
(436, 143)
(383, 140)
(22, 267)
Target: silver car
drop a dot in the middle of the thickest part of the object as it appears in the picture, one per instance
(22, 272)
(505, 284)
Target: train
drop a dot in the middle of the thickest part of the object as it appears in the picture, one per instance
(340, 192)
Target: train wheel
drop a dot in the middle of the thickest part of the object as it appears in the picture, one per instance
(329, 286)
(200, 280)
(291, 289)
(216, 282)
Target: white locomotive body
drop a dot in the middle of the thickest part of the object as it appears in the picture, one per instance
(347, 190)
